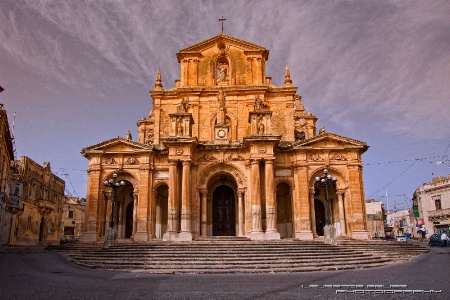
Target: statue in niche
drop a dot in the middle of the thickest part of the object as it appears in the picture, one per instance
(179, 129)
(261, 128)
(222, 72)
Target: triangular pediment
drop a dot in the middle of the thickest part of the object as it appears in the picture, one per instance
(116, 145)
(214, 41)
(332, 141)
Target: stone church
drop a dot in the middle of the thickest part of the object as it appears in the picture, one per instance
(225, 152)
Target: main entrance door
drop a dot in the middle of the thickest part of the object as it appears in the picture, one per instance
(320, 216)
(224, 212)
(129, 220)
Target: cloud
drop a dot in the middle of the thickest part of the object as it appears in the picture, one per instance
(386, 60)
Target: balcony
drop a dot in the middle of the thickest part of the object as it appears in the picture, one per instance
(45, 207)
(439, 214)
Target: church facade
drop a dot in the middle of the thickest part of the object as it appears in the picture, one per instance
(225, 152)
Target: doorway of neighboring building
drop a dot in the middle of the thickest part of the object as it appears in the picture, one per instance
(129, 220)
(41, 229)
(224, 212)
(320, 216)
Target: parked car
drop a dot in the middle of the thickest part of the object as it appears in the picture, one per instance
(435, 240)
(401, 238)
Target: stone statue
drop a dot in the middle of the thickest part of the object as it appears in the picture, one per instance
(129, 137)
(261, 128)
(322, 130)
(299, 135)
(260, 103)
(183, 106)
(179, 129)
(222, 72)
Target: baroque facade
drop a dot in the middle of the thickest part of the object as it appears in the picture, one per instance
(225, 152)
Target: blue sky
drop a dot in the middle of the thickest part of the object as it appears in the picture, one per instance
(78, 72)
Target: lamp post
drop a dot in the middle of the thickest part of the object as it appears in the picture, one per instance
(329, 230)
(110, 236)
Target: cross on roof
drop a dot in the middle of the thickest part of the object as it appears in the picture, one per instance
(222, 19)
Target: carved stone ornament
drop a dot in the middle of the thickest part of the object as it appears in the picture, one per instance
(131, 161)
(208, 157)
(235, 156)
(179, 151)
(221, 133)
(110, 161)
(315, 157)
(338, 156)
(262, 149)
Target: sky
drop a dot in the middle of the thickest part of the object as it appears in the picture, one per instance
(77, 73)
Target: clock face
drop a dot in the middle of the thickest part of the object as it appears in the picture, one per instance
(221, 133)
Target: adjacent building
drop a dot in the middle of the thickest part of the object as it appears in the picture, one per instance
(375, 218)
(8, 203)
(72, 218)
(41, 196)
(432, 206)
(225, 152)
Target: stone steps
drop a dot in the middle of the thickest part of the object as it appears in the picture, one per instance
(239, 255)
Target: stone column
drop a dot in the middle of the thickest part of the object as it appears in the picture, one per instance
(151, 207)
(204, 215)
(186, 233)
(341, 195)
(171, 205)
(312, 212)
(107, 212)
(257, 232)
(120, 224)
(271, 210)
(158, 215)
(241, 213)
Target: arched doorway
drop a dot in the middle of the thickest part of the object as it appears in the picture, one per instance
(224, 211)
(319, 209)
(129, 220)
(284, 210)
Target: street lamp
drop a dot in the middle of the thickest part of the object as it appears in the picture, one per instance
(329, 230)
(110, 237)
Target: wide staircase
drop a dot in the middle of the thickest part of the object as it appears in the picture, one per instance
(240, 255)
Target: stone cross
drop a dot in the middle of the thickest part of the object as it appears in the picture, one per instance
(222, 19)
